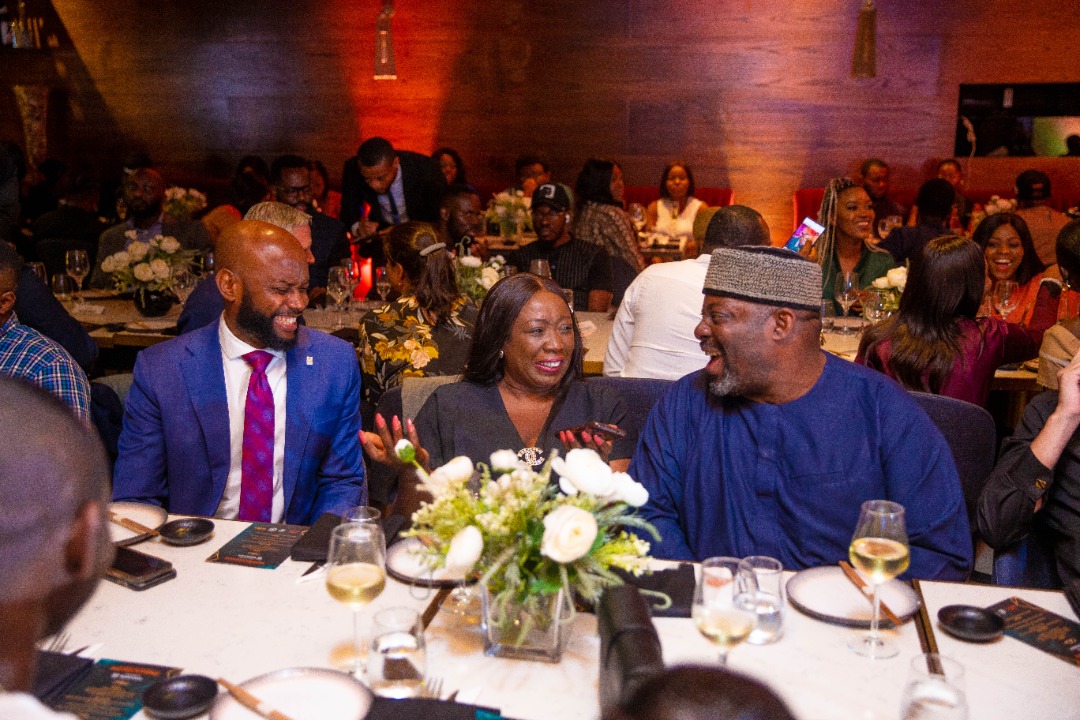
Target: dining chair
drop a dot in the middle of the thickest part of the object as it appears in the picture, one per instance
(639, 395)
(1028, 563)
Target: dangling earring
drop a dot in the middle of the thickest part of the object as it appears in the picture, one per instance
(500, 354)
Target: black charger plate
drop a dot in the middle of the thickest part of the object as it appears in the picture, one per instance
(971, 623)
(180, 697)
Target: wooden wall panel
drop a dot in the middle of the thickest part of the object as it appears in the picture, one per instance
(755, 94)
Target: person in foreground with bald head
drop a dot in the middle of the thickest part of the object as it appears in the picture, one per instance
(254, 417)
(54, 538)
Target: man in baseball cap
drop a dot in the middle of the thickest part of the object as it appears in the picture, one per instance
(1043, 221)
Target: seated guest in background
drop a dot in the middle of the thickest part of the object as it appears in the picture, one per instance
(844, 247)
(144, 196)
(1035, 487)
(653, 334)
(1033, 205)
(673, 214)
(245, 190)
(523, 378)
(575, 265)
(935, 203)
(936, 343)
(1062, 341)
(28, 355)
(450, 165)
(960, 216)
(290, 183)
(76, 217)
(54, 534)
(461, 218)
(1009, 254)
(205, 304)
(10, 177)
(701, 693)
(323, 199)
(773, 447)
(531, 171)
(254, 165)
(396, 186)
(876, 178)
(601, 221)
(254, 417)
(428, 329)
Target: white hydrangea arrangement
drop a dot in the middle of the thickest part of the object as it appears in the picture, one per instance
(524, 538)
(183, 204)
(475, 278)
(149, 265)
(511, 211)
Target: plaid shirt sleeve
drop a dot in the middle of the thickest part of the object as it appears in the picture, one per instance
(29, 355)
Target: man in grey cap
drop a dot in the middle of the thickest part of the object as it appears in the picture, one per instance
(773, 447)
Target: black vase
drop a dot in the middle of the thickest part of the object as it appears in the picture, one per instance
(153, 303)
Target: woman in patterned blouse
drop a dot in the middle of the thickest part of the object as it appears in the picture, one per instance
(428, 329)
(602, 221)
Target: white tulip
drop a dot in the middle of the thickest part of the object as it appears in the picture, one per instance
(469, 261)
(569, 533)
(582, 470)
(504, 461)
(488, 277)
(456, 472)
(629, 491)
(465, 550)
(898, 278)
(882, 283)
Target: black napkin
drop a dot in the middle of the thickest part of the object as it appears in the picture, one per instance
(429, 709)
(677, 583)
(56, 672)
(315, 543)
(630, 650)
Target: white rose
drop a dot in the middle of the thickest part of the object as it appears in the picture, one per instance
(582, 470)
(569, 533)
(143, 273)
(469, 261)
(160, 268)
(109, 264)
(629, 491)
(898, 278)
(465, 550)
(882, 283)
(457, 471)
(488, 277)
(504, 461)
(170, 244)
(121, 260)
(137, 250)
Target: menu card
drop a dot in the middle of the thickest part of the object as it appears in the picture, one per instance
(1040, 628)
(260, 545)
(112, 690)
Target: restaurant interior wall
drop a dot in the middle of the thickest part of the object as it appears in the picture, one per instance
(755, 94)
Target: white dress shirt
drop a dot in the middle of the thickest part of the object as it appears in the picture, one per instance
(653, 334)
(237, 375)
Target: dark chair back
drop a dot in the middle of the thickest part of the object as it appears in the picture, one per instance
(1028, 563)
(971, 435)
(639, 395)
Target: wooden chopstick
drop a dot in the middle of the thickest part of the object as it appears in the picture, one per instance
(135, 527)
(251, 702)
(857, 580)
(926, 632)
(433, 607)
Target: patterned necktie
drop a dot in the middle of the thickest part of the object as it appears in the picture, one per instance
(257, 463)
(395, 216)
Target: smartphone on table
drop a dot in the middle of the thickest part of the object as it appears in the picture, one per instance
(137, 570)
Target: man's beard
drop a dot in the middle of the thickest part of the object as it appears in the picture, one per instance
(261, 326)
(727, 384)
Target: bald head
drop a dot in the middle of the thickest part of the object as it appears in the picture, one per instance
(733, 226)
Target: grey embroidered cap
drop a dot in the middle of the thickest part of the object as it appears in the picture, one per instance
(767, 275)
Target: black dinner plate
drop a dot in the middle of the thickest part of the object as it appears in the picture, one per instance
(180, 697)
(187, 531)
(971, 623)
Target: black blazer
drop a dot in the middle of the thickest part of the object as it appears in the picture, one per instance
(422, 182)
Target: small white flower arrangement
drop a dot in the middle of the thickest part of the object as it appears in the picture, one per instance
(993, 206)
(475, 278)
(891, 285)
(524, 538)
(183, 204)
(510, 210)
(149, 265)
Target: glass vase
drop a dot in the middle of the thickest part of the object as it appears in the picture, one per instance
(513, 630)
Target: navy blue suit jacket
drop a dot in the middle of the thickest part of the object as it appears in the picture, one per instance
(174, 449)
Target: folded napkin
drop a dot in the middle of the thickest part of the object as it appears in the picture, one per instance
(314, 545)
(429, 709)
(56, 672)
(630, 650)
(677, 583)
(87, 309)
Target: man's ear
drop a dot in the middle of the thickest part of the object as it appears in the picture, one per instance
(229, 285)
(783, 320)
(87, 554)
(7, 301)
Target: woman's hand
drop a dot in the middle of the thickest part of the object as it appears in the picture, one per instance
(380, 444)
(590, 440)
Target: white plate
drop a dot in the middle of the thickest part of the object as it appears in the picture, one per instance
(405, 562)
(152, 516)
(301, 694)
(152, 325)
(826, 594)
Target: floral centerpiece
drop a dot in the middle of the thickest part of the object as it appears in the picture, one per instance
(510, 210)
(183, 204)
(891, 286)
(993, 206)
(475, 278)
(532, 546)
(148, 268)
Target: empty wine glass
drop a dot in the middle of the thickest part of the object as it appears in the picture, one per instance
(337, 287)
(63, 286)
(879, 551)
(77, 264)
(847, 294)
(873, 303)
(725, 608)
(382, 283)
(1005, 299)
(356, 571)
(183, 283)
(540, 267)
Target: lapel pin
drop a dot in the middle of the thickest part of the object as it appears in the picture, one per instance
(310, 361)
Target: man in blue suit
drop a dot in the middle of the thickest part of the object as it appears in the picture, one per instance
(253, 417)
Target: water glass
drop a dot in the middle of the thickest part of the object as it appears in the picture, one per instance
(769, 600)
(935, 690)
(397, 662)
(828, 315)
(873, 303)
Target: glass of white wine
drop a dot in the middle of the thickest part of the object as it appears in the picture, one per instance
(337, 287)
(356, 572)
(847, 294)
(879, 551)
(724, 608)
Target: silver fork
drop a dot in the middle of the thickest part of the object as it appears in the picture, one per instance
(433, 687)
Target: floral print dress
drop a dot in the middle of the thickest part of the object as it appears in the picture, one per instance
(397, 341)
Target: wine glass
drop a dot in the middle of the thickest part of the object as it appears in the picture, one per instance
(847, 294)
(637, 216)
(879, 551)
(353, 273)
(77, 264)
(183, 283)
(63, 286)
(1005, 300)
(337, 287)
(725, 608)
(356, 571)
(38, 269)
(540, 267)
(382, 283)
(873, 303)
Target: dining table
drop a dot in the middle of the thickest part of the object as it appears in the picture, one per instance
(237, 623)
